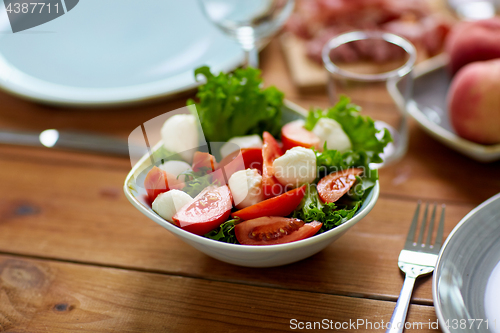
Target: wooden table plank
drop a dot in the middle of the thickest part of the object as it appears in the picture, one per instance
(47, 296)
(63, 157)
(80, 214)
(431, 171)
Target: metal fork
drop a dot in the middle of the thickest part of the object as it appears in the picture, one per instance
(416, 259)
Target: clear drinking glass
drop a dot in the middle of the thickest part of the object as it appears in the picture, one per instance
(366, 66)
(249, 22)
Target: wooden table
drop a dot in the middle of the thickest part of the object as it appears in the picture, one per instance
(75, 255)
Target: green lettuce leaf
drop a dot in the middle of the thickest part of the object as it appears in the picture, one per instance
(360, 129)
(235, 104)
(224, 233)
(330, 214)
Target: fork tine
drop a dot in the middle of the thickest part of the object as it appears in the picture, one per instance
(424, 224)
(415, 261)
(413, 227)
(431, 226)
(439, 235)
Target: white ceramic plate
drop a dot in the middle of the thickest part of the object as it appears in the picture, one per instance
(113, 52)
(251, 256)
(429, 108)
(464, 289)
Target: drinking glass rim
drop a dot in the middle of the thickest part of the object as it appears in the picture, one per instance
(364, 35)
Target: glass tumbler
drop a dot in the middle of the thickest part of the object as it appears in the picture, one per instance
(368, 67)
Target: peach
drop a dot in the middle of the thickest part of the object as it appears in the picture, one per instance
(473, 41)
(474, 102)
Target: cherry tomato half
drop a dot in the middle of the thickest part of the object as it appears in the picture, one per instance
(336, 184)
(250, 158)
(158, 181)
(281, 205)
(203, 160)
(270, 151)
(294, 134)
(274, 230)
(208, 210)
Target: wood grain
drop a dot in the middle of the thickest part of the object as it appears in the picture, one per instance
(67, 207)
(44, 296)
(80, 214)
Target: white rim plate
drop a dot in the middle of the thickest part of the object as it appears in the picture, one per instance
(113, 52)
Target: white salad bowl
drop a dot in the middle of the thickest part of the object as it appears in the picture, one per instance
(246, 255)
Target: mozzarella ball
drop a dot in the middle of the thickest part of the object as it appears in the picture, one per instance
(180, 135)
(296, 168)
(175, 168)
(331, 132)
(238, 142)
(167, 204)
(246, 188)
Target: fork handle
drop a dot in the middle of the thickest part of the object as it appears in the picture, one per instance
(399, 315)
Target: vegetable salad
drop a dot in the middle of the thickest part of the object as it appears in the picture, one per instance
(269, 184)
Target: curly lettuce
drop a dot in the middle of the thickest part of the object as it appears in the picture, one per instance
(368, 142)
(330, 214)
(236, 104)
(224, 233)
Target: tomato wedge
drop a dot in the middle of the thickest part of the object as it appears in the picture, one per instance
(335, 185)
(294, 134)
(208, 210)
(158, 181)
(203, 160)
(281, 205)
(270, 151)
(271, 230)
(250, 158)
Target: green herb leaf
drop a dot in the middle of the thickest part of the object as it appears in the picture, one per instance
(359, 190)
(235, 104)
(312, 118)
(330, 214)
(224, 233)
